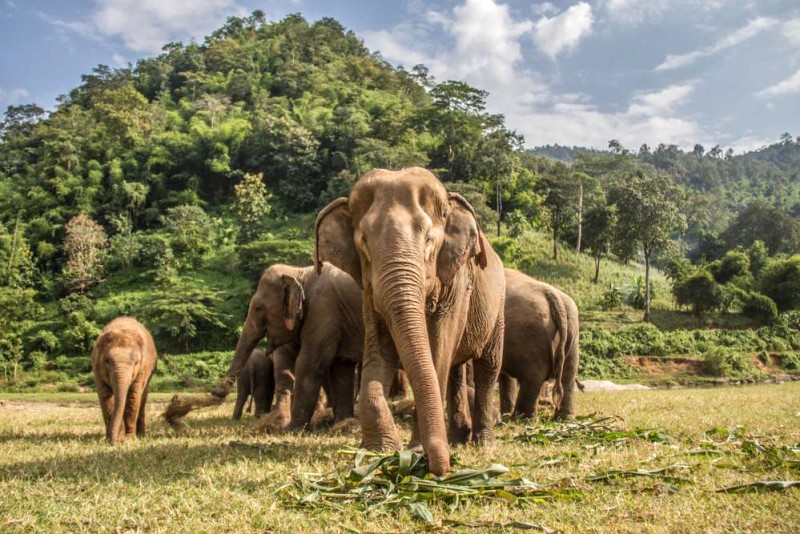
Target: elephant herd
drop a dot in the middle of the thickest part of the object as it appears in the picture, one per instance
(403, 278)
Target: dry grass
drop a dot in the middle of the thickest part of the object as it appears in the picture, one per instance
(56, 473)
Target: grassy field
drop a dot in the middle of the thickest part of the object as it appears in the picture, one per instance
(56, 473)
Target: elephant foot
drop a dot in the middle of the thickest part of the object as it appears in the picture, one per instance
(459, 435)
(275, 422)
(323, 417)
(347, 426)
(564, 416)
(402, 407)
(385, 444)
(485, 438)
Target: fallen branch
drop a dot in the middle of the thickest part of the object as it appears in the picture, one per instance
(179, 407)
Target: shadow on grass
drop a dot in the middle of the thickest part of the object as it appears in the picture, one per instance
(154, 460)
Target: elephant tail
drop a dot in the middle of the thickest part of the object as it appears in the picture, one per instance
(558, 353)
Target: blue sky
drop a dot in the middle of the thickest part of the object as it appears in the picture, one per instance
(570, 72)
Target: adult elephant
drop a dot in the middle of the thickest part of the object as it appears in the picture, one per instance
(312, 321)
(433, 294)
(541, 343)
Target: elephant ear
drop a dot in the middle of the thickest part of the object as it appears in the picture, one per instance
(293, 298)
(462, 240)
(334, 239)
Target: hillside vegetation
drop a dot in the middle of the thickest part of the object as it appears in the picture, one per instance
(162, 191)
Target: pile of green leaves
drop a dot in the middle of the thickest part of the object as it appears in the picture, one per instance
(402, 480)
(593, 430)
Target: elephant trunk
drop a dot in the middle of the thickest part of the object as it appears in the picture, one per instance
(403, 305)
(121, 384)
(248, 340)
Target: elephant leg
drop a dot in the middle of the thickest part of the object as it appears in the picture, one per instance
(241, 398)
(459, 427)
(528, 397)
(566, 408)
(260, 398)
(141, 423)
(106, 396)
(310, 370)
(269, 386)
(132, 408)
(280, 416)
(378, 431)
(486, 371)
(508, 393)
(342, 376)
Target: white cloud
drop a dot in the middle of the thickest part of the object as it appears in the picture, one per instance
(147, 25)
(753, 28)
(563, 32)
(660, 102)
(490, 34)
(785, 87)
(544, 9)
(635, 12)
(486, 39)
(791, 29)
(11, 98)
(119, 60)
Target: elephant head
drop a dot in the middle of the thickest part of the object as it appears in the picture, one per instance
(118, 357)
(275, 311)
(403, 238)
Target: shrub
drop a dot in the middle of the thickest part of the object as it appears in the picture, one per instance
(191, 231)
(256, 256)
(721, 361)
(611, 299)
(700, 291)
(790, 361)
(758, 306)
(780, 281)
(84, 244)
(732, 265)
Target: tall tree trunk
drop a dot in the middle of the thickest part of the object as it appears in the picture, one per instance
(499, 204)
(555, 242)
(580, 215)
(646, 284)
(596, 268)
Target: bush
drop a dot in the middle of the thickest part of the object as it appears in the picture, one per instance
(720, 361)
(191, 231)
(758, 306)
(700, 291)
(155, 251)
(734, 264)
(780, 281)
(790, 361)
(611, 299)
(256, 256)
(635, 298)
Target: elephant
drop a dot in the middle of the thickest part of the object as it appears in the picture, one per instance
(123, 361)
(541, 342)
(433, 293)
(257, 379)
(312, 321)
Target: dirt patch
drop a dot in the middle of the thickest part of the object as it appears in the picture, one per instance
(665, 366)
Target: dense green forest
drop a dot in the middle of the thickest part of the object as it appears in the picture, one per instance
(162, 191)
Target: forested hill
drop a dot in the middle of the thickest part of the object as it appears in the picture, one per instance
(771, 173)
(306, 105)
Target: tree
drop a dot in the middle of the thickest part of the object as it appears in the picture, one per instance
(251, 206)
(649, 214)
(780, 281)
(758, 220)
(84, 245)
(560, 191)
(601, 221)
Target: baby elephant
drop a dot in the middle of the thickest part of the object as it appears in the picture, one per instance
(257, 379)
(123, 360)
